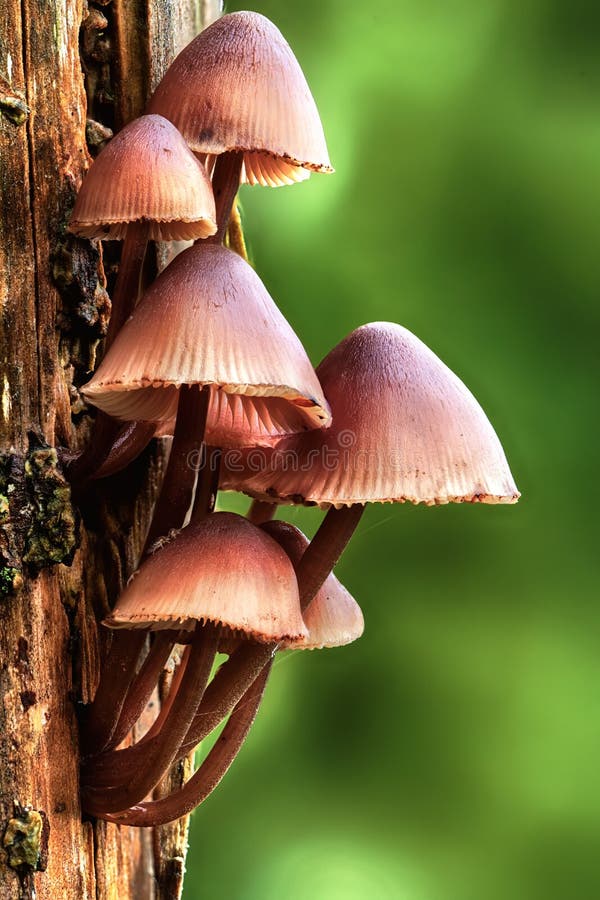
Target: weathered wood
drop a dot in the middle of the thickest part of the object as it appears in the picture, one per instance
(58, 575)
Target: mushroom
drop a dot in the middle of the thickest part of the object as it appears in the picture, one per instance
(220, 571)
(239, 97)
(405, 428)
(223, 570)
(145, 185)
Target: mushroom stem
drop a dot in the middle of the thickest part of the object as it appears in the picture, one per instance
(261, 511)
(127, 285)
(203, 782)
(177, 488)
(325, 549)
(207, 485)
(226, 182)
(231, 681)
(117, 673)
(175, 726)
(131, 440)
(142, 687)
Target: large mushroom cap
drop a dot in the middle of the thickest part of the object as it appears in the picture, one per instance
(405, 428)
(223, 570)
(238, 86)
(333, 618)
(146, 173)
(208, 320)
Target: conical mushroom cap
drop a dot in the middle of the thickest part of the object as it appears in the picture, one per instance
(333, 618)
(404, 428)
(238, 86)
(146, 173)
(208, 320)
(223, 570)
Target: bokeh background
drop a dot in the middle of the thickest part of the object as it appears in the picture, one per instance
(451, 753)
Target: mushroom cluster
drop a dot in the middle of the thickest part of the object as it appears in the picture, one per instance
(205, 355)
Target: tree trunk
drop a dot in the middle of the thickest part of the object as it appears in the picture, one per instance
(61, 567)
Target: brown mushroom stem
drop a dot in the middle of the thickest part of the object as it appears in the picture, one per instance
(208, 484)
(127, 285)
(175, 726)
(231, 681)
(261, 511)
(325, 549)
(131, 440)
(142, 687)
(117, 672)
(226, 182)
(203, 782)
(178, 483)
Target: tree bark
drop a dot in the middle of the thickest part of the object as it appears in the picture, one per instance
(62, 565)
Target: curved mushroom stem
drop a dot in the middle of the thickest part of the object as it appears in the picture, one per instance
(231, 681)
(325, 549)
(208, 484)
(174, 728)
(131, 440)
(203, 782)
(261, 511)
(124, 299)
(171, 508)
(226, 182)
(142, 687)
(127, 285)
(177, 489)
(117, 672)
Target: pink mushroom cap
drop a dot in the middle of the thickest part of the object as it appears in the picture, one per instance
(404, 428)
(223, 570)
(209, 320)
(146, 173)
(238, 87)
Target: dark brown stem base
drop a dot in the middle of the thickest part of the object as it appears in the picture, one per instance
(230, 682)
(176, 724)
(211, 772)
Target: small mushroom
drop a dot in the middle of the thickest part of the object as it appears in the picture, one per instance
(240, 99)
(145, 185)
(222, 570)
(237, 87)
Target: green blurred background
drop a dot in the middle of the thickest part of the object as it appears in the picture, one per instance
(451, 753)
